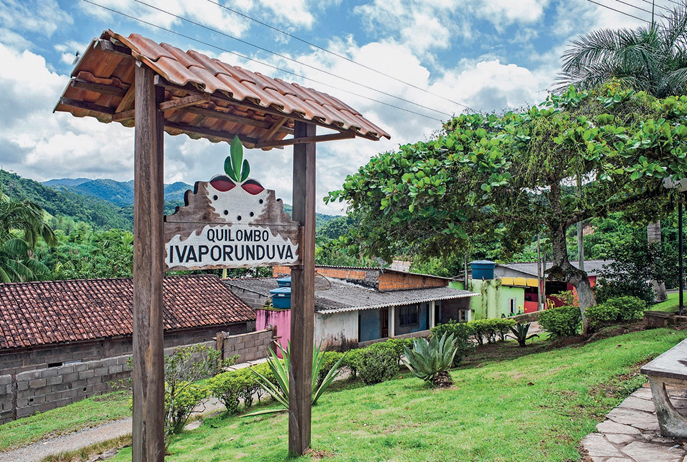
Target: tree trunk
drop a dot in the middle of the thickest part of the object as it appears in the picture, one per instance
(653, 234)
(563, 271)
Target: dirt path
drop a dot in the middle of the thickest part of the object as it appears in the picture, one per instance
(73, 442)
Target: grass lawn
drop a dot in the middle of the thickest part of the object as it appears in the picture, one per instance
(670, 305)
(86, 413)
(532, 408)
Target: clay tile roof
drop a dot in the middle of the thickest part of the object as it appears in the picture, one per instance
(104, 76)
(39, 313)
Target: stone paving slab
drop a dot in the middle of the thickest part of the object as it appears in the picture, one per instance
(631, 434)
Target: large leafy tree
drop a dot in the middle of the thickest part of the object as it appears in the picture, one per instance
(513, 176)
(21, 225)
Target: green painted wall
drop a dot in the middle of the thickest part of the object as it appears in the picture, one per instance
(494, 298)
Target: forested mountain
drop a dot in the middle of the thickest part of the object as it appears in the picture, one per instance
(63, 203)
(118, 192)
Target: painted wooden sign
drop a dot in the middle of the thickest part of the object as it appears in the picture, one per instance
(230, 222)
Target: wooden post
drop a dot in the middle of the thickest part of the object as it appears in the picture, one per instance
(303, 293)
(148, 353)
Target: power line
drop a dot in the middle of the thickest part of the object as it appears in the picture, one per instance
(288, 58)
(336, 54)
(258, 61)
(640, 8)
(655, 5)
(613, 9)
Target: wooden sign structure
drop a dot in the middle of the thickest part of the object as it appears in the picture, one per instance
(229, 223)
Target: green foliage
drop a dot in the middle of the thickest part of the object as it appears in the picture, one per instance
(490, 330)
(233, 387)
(461, 332)
(508, 177)
(634, 265)
(429, 359)
(377, 363)
(184, 367)
(563, 321)
(22, 224)
(397, 344)
(615, 310)
(600, 315)
(235, 166)
(329, 360)
(520, 331)
(277, 386)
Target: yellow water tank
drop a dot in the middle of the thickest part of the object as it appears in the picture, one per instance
(507, 281)
(520, 281)
(532, 282)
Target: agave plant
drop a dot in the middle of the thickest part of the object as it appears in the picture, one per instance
(279, 389)
(520, 331)
(431, 360)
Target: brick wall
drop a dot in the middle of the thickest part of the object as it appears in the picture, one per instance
(405, 281)
(41, 389)
(248, 347)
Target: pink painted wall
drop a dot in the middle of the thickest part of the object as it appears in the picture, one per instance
(279, 318)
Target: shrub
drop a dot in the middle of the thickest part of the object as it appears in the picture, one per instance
(377, 363)
(431, 360)
(600, 315)
(617, 309)
(562, 321)
(352, 361)
(490, 329)
(232, 387)
(398, 345)
(180, 405)
(329, 360)
(461, 332)
(629, 308)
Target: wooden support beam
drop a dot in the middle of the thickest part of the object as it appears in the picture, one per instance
(124, 116)
(222, 135)
(127, 103)
(148, 353)
(234, 118)
(310, 139)
(303, 293)
(181, 103)
(109, 47)
(97, 87)
(273, 130)
(87, 106)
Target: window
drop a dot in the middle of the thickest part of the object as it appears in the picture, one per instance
(408, 315)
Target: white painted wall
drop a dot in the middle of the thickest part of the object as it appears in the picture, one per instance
(337, 329)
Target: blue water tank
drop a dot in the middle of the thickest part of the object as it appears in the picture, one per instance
(482, 269)
(281, 297)
(284, 282)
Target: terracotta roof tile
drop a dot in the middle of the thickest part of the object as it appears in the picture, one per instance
(39, 313)
(101, 65)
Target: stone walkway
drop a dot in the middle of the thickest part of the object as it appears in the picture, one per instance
(630, 432)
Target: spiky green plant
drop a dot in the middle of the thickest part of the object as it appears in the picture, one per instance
(431, 360)
(279, 389)
(235, 166)
(520, 331)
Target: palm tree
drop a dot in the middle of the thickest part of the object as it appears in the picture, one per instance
(21, 225)
(651, 59)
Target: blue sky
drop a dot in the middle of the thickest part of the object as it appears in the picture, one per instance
(487, 55)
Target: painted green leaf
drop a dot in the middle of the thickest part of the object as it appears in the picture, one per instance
(229, 170)
(236, 157)
(245, 170)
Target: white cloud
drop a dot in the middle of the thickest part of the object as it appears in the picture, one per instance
(38, 16)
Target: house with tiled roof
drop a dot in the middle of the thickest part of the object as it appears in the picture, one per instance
(357, 306)
(51, 323)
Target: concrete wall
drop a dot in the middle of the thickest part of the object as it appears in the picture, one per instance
(337, 331)
(44, 388)
(248, 347)
(494, 298)
(21, 360)
(250, 298)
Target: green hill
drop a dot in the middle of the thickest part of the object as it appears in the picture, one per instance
(118, 192)
(96, 212)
